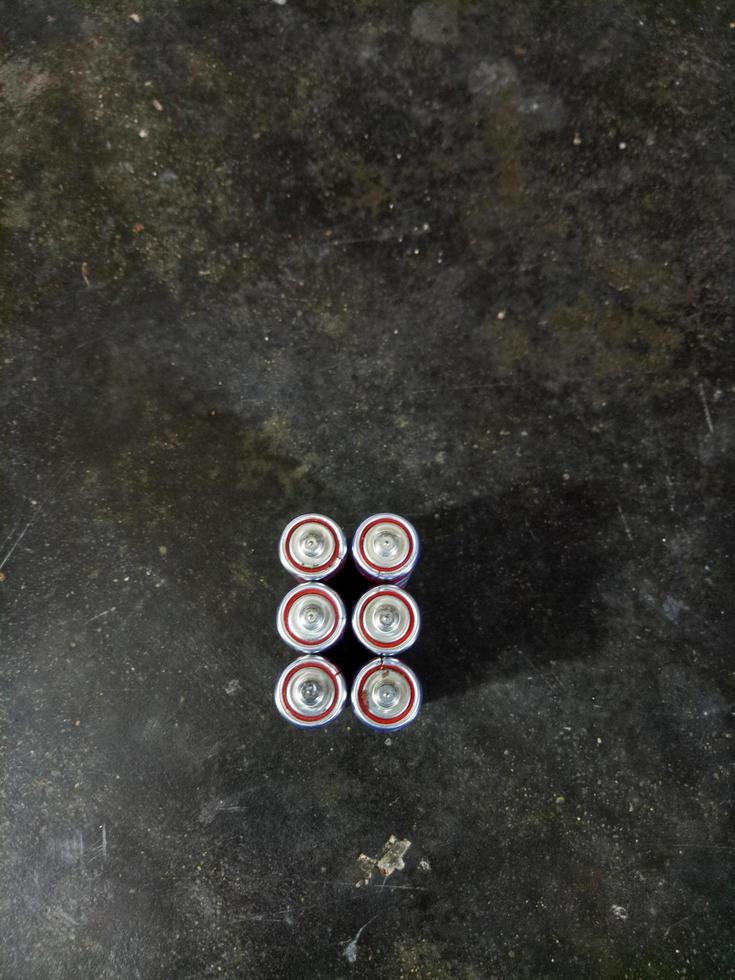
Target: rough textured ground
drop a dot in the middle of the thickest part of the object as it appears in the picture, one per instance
(471, 262)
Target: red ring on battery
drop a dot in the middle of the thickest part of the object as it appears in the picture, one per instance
(386, 568)
(377, 718)
(292, 710)
(310, 590)
(391, 643)
(310, 570)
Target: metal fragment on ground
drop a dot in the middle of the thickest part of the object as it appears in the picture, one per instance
(389, 861)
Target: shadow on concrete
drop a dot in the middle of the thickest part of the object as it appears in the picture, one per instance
(507, 585)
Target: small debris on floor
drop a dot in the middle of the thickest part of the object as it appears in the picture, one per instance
(389, 861)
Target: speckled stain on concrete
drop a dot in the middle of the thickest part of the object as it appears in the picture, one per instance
(472, 262)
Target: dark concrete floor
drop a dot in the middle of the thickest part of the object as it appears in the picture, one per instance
(471, 262)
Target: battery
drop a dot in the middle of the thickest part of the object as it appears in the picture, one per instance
(386, 620)
(311, 617)
(310, 692)
(386, 548)
(386, 694)
(312, 547)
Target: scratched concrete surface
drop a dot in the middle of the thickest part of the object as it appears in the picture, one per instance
(469, 261)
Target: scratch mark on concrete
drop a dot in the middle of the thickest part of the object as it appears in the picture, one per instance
(105, 612)
(17, 541)
(326, 882)
(697, 908)
(9, 536)
(35, 517)
(625, 523)
(210, 809)
(350, 947)
(670, 489)
(281, 915)
(104, 842)
(58, 913)
(342, 242)
(705, 406)
(475, 387)
(557, 682)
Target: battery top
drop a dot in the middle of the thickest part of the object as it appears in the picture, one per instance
(385, 543)
(312, 546)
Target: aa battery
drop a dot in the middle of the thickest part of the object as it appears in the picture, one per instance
(386, 548)
(386, 694)
(386, 620)
(312, 547)
(311, 618)
(310, 692)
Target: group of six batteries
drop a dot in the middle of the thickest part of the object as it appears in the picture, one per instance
(311, 691)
